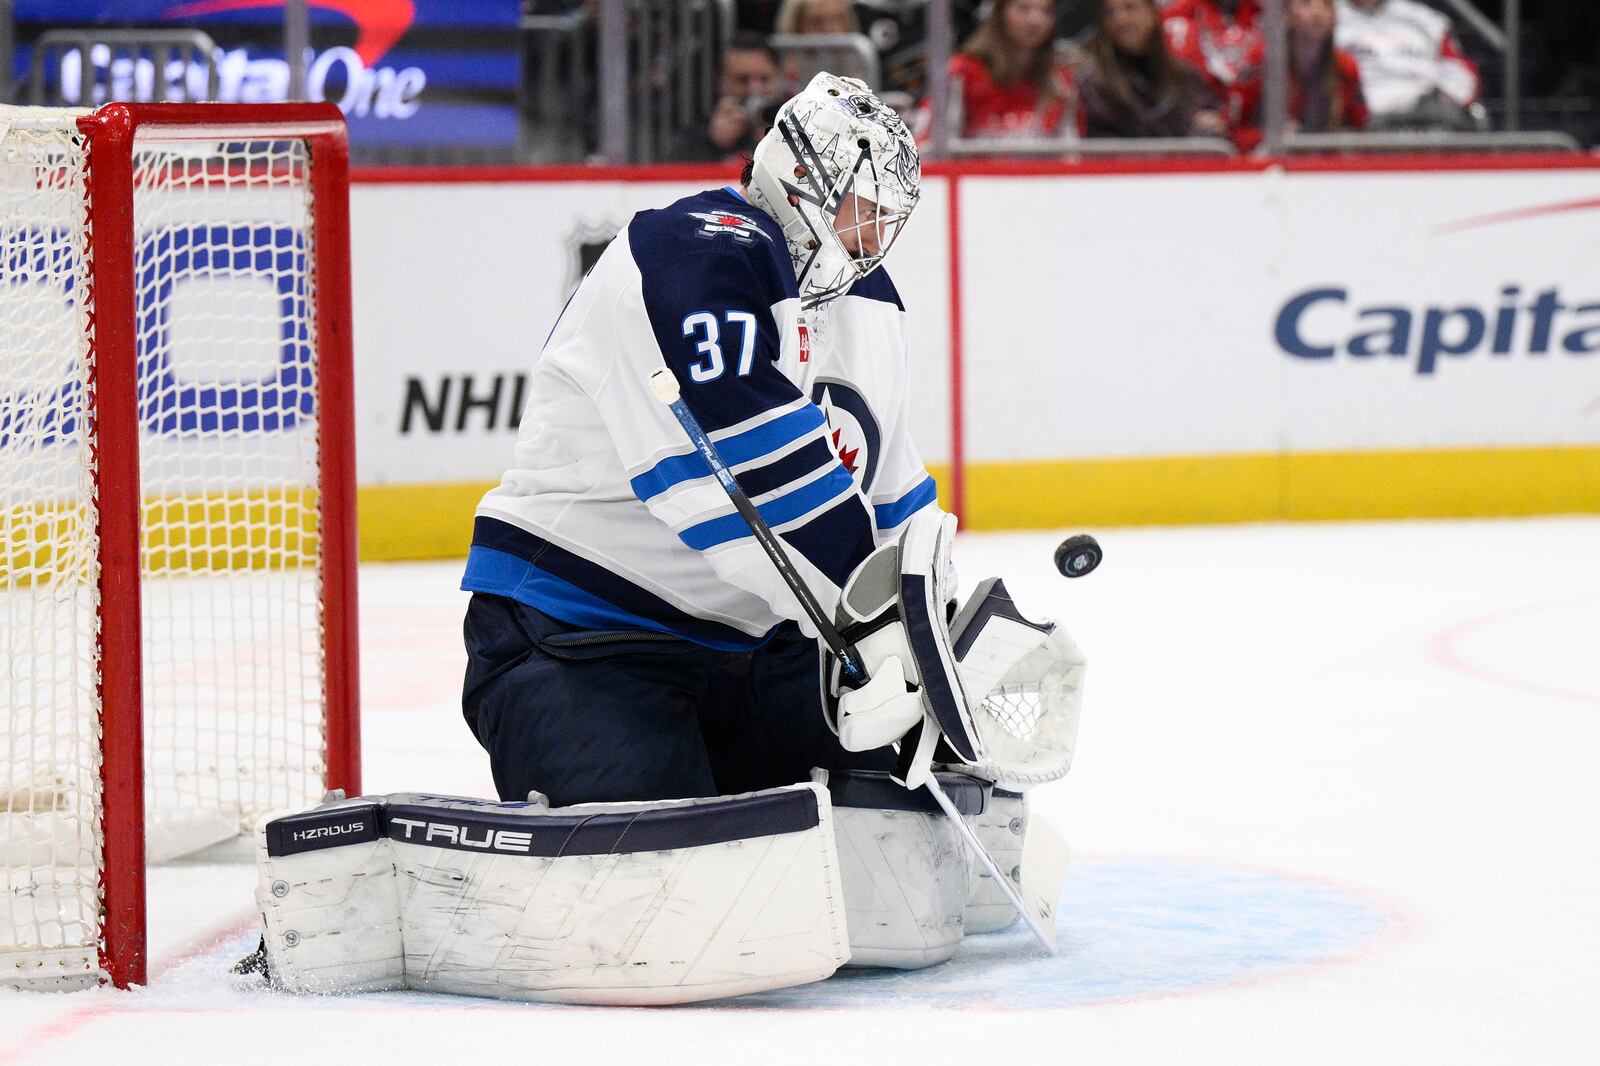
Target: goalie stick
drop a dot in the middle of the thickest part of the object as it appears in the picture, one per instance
(1039, 916)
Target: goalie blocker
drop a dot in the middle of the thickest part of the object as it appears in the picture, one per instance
(614, 903)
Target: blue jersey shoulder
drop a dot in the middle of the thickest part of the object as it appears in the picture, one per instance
(715, 221)
(877, 286)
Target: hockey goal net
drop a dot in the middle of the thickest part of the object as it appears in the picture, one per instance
(177, 550)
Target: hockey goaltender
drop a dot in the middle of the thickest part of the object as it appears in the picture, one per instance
(698, 798)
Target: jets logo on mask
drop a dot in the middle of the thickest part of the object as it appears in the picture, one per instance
(853, 432)
(741, 228)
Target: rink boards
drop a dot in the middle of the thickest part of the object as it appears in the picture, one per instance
(1184, 341)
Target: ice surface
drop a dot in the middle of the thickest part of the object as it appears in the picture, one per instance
(1335, 801)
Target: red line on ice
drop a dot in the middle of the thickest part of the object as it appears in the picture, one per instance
(1443, 649)
(38, 1038)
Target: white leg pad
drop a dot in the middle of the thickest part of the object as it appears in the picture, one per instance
(332, 913)
(1001, 829)
(1044, 867)
(624, 904)
(1028, 849)
(904, 865)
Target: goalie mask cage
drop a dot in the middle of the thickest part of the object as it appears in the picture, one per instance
(177, 554)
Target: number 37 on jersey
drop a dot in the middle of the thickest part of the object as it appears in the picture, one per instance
(710, 333)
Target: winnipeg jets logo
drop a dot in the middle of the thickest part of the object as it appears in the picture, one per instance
(740, 227)
(853, 432)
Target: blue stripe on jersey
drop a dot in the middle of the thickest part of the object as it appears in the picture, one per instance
(786, 508)
(835, 541)
(739, 448)
(889, 515)
(580, 592)
(792, 467)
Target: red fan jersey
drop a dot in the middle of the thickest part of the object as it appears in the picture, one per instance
(1311, 108)
(993, 110)
(1225, 48)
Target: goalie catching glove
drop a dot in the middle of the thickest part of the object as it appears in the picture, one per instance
(1003, 692)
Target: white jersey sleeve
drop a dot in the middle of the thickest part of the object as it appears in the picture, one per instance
(903, 485)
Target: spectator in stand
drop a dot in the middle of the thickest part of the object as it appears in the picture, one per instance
(1413, 72)
(1324, 81)
(749, 88)
(1129, 84)
(1220, 38)
(1012, 82)
(807, 17)
(817, 16)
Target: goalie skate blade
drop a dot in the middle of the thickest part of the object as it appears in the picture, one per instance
(253, 963)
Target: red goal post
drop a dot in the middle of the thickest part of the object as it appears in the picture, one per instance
(202, 251)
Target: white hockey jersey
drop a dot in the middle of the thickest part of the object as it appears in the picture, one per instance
(1405, 50)
(609, 519)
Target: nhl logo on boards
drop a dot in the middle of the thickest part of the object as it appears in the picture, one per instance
(585, 244)
(741, 228)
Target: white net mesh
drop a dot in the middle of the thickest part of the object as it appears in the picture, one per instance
(231, 586)
(1027, 723)
(1014, 709)
(49, 725)
(232, 621)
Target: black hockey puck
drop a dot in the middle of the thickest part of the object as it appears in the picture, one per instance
(1077, 555)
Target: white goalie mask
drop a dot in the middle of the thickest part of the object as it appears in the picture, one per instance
(850, 167)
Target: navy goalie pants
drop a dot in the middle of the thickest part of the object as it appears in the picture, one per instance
(586, 715)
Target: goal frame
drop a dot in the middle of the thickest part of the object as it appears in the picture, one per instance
(110, 132)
